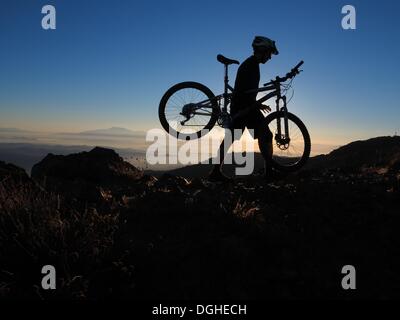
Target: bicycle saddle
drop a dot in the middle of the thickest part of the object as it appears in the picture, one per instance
(225, 60)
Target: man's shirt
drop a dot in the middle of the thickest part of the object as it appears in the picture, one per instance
(247, 78)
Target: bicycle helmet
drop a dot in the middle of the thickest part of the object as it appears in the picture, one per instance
(260, 42)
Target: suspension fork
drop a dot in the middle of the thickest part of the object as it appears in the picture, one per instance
(286, 121)
(285, 117)
(225, 95)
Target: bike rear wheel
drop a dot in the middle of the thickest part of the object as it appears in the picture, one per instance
(289, 153)
(188, 108)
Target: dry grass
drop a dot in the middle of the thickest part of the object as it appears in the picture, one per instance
(36, 226)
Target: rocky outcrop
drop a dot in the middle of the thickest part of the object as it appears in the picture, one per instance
(380, 152)
(91, 176)
(10, 172)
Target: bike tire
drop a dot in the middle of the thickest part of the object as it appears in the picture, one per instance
(167, 98)
(303, 152)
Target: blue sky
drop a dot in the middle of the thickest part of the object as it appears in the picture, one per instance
(109, 62)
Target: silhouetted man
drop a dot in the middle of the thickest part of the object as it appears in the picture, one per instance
(248, 78)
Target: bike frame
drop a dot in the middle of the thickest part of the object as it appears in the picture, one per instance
(274, 86)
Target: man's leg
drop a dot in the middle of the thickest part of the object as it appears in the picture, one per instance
(265, 144)
(222, 152)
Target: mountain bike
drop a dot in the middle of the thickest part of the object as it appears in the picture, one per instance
(187, 108)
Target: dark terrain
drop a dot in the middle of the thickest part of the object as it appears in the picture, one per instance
(113, 231)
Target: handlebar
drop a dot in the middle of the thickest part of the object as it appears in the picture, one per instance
(289, 75)
(299, 64)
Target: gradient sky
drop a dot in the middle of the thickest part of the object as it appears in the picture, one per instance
(109, 62)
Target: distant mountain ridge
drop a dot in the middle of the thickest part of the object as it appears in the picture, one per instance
(14, 130)
(376, 152)
(380, 152)
(114, 131)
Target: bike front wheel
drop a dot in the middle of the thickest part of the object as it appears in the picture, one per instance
(188, 110)
(290, 152)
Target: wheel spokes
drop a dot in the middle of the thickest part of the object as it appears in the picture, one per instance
(290, 153)
(182, 114)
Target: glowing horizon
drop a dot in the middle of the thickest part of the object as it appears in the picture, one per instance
(87, 76)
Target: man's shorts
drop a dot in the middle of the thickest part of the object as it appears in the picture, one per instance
(252, 121)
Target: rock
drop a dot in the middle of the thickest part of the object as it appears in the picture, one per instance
(11, 173)
(15, 181)
(90, 176)
(18, 191)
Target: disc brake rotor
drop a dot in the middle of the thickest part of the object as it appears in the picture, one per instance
(282, 143)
